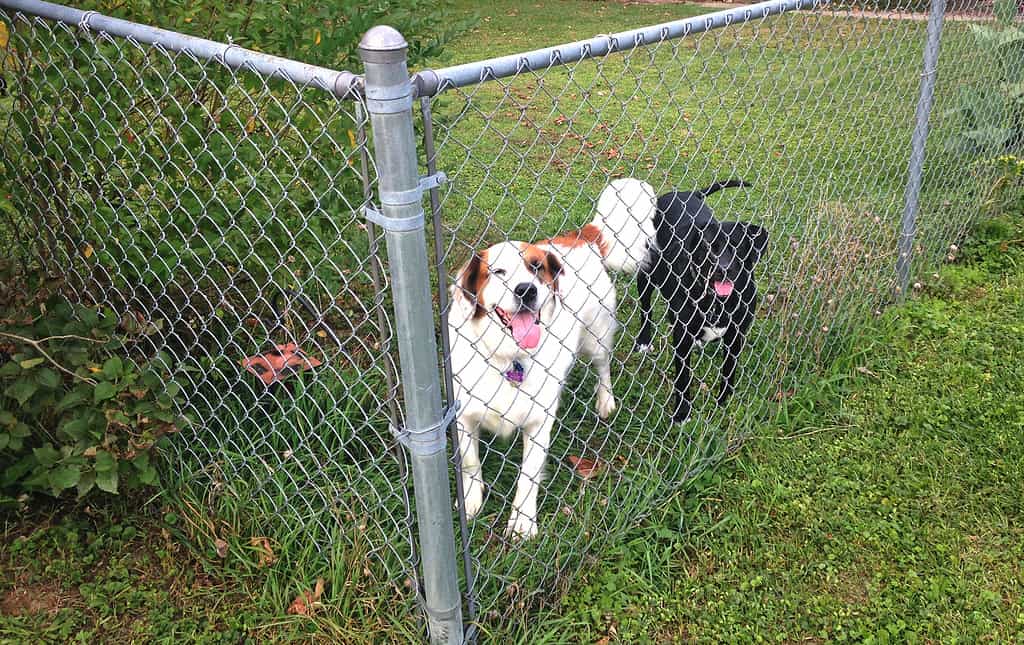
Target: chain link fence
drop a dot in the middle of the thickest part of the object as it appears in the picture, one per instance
(212, 197)
(226, 204)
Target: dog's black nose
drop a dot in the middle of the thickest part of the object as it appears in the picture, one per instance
(526, 292)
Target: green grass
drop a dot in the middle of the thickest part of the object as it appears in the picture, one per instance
(882, 504)
(884, 507)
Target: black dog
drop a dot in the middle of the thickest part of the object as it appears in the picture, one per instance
(704, 268)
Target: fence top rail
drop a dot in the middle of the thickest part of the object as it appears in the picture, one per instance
(340, 83)
(344, 84)
(431, 82)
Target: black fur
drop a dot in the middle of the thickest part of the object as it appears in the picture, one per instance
(691, 251)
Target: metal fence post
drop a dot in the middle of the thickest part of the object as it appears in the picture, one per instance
(389, 102)
(917, 147)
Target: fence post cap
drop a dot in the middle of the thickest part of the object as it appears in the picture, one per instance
(383, 39)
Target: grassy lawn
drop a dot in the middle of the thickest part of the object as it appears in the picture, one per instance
(883, 504)
(885, 508)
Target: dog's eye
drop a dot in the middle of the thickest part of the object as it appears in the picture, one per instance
(499, 272)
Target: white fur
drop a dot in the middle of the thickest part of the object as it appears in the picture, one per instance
(710, 334)
(625, 215)
(579, 319)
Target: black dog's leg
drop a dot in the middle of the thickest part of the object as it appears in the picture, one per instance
(732, 345)
(646, 290)
(682, 343)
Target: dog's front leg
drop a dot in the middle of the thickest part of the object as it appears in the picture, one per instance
(469, 460)
(522, 524)
(732, 346)
(682, 345)
(646, 290)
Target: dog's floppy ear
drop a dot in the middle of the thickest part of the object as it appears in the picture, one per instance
(751, 241)
(554, 269)
(471, 280)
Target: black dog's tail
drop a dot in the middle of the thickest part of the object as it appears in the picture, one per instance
(719, 185)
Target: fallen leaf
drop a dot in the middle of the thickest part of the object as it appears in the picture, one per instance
(87, 251)
(222, 548)
(316, 41)
(783, 394)
(304, 603)
(351, 138)
(612, 154)
(864, 370)
(585, 468)
(266, 553)
(4, 35)
(250, 125)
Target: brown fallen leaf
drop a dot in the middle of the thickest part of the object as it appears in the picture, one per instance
(266, 553)
(304, 604)
(222, 547)
(585, 468)
(783, 394)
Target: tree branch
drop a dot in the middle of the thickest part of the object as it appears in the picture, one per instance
(37, 344)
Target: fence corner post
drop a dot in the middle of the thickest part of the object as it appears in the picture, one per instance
(389, 100)
(917, 147)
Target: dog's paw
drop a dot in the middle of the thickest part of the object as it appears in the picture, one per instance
(682, 413)
(643, 348)
(520, 527)
(605, 404)
(474, 492)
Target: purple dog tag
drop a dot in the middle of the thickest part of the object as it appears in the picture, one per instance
(516, 374)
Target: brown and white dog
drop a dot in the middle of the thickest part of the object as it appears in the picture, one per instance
(521, 314)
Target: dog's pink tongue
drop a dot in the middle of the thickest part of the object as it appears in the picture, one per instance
(723, 288)
(525, 330)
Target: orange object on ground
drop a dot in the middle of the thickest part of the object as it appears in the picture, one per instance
(279, 363)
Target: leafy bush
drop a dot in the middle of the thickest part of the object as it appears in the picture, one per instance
(166, 184)
(311, 31)
(991, 112)
(70, 419)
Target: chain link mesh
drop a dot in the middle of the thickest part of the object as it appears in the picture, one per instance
(218, 213)
(815, 109)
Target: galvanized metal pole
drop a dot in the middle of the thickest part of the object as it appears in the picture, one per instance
(917, 147)
(389, 102)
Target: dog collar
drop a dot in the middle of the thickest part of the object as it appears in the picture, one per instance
(516, 374)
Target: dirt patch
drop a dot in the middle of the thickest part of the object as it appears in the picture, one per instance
(27, 600)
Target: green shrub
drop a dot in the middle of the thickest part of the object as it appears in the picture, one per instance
(73, 416)
(169, 184)
(991, 111)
